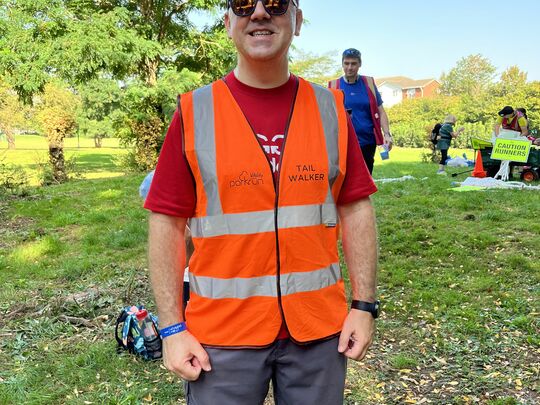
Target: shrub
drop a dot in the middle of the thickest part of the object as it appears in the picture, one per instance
(13, 179)
(47, 175)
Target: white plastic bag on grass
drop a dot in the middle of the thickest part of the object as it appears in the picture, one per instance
(458, 161)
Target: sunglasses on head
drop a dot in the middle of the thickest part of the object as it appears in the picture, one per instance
(351, 53)
(244, 8)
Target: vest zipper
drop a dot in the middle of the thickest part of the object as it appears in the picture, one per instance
(276, 187)
(275, 182)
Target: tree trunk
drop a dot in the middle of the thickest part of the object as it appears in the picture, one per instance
(10, 139)
(151, 67)
(58, 163)
(97, 141)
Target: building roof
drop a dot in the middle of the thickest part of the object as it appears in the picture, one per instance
(404, 82)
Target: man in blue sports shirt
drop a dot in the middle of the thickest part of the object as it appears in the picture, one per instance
(364, 104)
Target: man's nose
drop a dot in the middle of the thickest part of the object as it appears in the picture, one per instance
(260, 11)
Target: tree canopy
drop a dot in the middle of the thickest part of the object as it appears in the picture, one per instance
(126, 59)
(79, 41)
(471, 76)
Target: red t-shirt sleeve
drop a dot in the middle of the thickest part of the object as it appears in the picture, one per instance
(173, 190)
(358, 182)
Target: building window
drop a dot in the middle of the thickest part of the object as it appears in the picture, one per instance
(396, 93)
(411, 93)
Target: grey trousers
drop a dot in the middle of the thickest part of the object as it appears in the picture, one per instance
(310, 374)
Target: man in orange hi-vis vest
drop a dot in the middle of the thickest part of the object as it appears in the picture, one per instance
(266, 170)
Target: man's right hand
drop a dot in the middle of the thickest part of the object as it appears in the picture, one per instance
(184, 356)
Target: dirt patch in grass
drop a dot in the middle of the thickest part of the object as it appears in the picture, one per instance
(13, 230)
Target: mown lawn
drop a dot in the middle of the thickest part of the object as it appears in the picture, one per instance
(459, 281)
(91, 162)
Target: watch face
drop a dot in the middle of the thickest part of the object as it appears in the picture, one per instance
(377, 309)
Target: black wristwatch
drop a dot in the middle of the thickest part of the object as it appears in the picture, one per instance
(371, 307)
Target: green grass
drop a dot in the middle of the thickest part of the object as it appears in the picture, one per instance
(91, 162)
(459, 280)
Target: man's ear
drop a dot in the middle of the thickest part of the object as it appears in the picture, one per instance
(299, 19)
(227, 21)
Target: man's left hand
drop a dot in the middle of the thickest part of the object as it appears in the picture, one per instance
(357, 334)
(388, 141)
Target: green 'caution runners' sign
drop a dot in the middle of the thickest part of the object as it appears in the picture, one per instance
(511, 149)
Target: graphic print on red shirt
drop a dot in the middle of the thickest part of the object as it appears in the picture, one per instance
(272, 147)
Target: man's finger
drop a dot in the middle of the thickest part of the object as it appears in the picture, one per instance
(344, 339)
(190, 371)
(202, 357)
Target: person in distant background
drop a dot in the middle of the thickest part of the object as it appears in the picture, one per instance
(533, 139)
(511, 119)
(446, 134)
(364, 104)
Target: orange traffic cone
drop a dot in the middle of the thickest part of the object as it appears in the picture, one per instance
(479, 167)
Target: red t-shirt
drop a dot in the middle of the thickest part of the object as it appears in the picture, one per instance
(267, 110)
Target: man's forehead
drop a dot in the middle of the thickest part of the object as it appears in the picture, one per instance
(351, 60)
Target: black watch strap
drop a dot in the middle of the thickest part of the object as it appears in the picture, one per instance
(371, 307)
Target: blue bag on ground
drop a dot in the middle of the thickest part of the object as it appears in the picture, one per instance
(140, 333)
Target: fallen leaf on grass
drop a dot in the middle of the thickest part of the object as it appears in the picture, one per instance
(441, 360)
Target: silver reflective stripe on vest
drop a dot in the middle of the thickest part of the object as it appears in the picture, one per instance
(247, 223)
(242, 288)
(329, 117)
(292, 283)
(205, 146)
(328, 110)
(304, 215)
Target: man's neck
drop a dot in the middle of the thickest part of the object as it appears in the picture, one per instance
(351, 80)
(262, 75)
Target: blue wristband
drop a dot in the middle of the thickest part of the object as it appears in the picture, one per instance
(173, 329)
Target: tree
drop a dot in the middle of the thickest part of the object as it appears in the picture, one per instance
(316, 68)
(135, 41)
(513, 80)
(140, 122)
(512, 89)
(43, 39)
(11, 113)
(413, 119)
(472, 76)
(166, 24)
(100, 99)
(57, 113)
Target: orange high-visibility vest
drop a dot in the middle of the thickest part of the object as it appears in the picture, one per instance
(263, 257)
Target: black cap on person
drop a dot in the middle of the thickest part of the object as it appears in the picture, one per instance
(506, 111)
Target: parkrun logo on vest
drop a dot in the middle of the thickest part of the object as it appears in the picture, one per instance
(247, 179)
